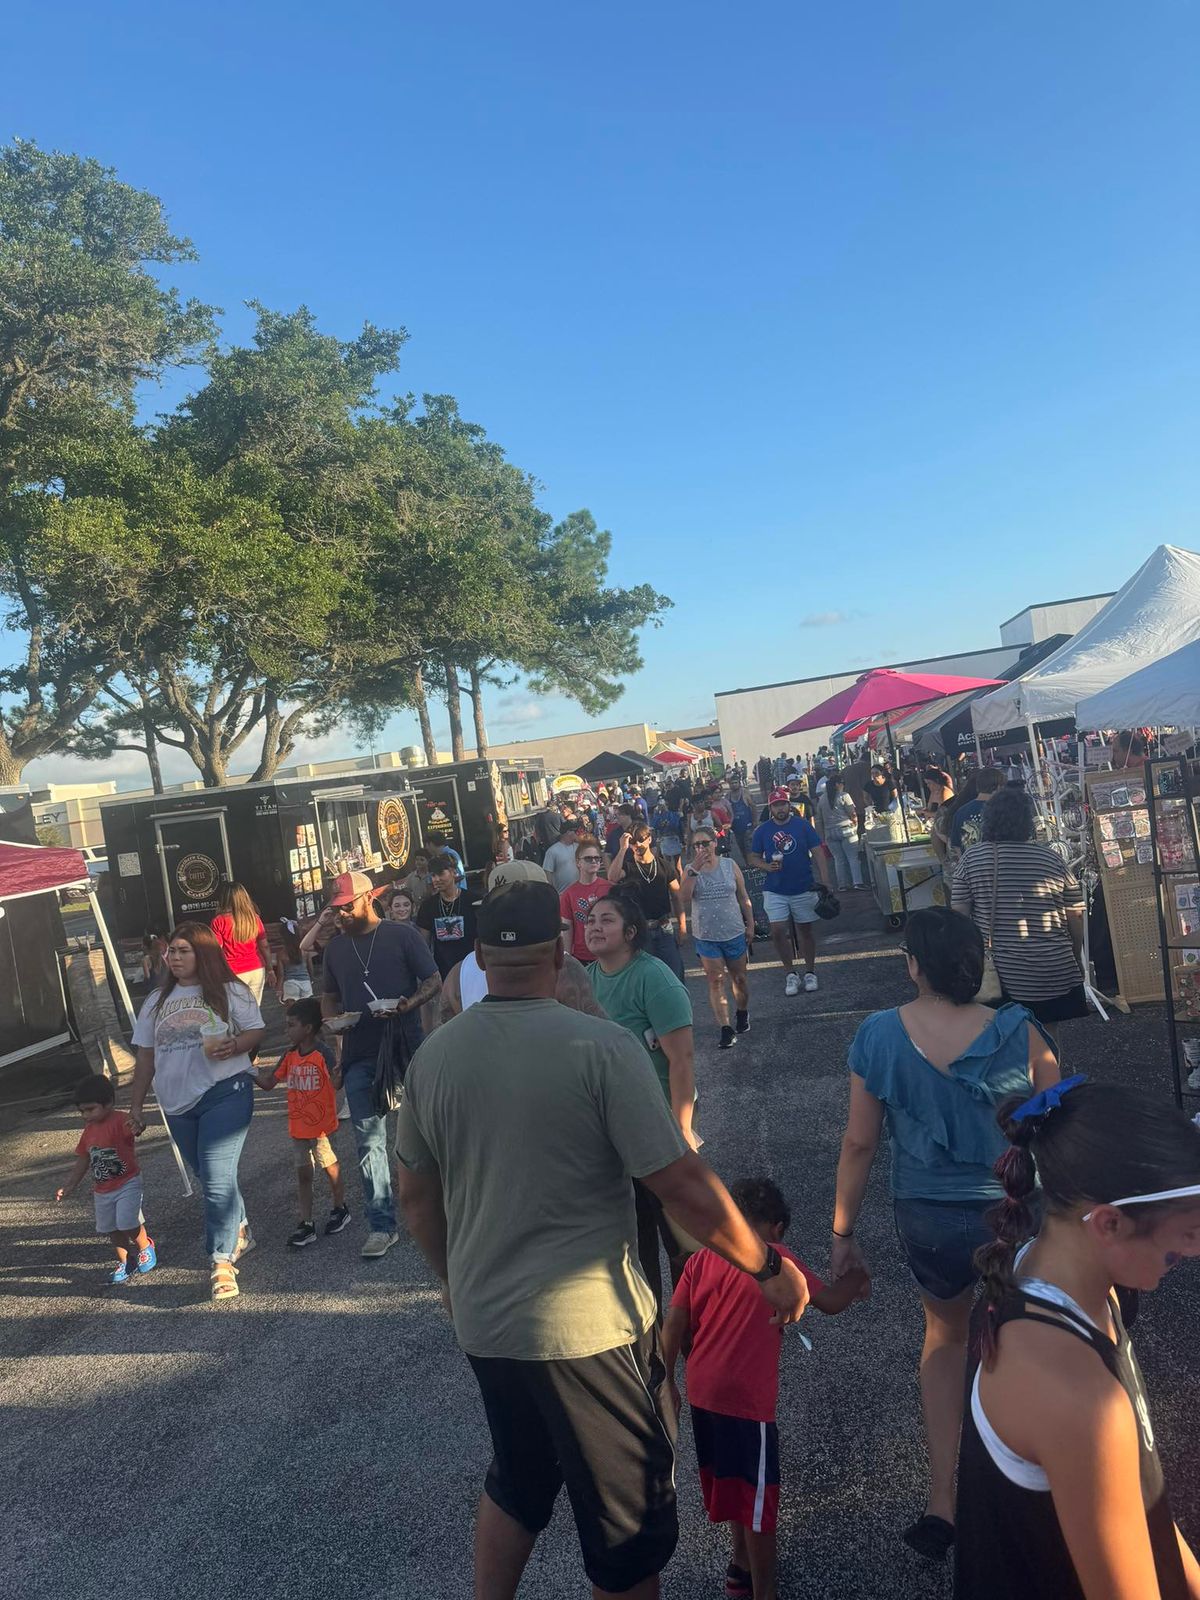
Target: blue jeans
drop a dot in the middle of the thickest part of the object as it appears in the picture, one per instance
(210, 1138)
(370, 1135)
(660, 942)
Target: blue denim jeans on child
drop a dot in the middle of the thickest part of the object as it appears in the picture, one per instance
(210, 1138)
(370, 1135)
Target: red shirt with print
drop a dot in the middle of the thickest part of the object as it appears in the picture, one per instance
(111, 1152)
(733, 1367)
(574, 903)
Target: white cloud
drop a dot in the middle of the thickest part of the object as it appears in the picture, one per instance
(826, 619)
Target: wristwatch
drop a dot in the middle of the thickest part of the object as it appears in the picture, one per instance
(770, 1267)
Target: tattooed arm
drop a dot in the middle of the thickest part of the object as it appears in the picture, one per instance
(575, 988)
(429, 990)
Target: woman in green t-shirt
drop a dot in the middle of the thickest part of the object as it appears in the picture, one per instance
(642, 994)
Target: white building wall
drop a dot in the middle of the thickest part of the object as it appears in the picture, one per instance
(748, 717)
(1036, 623)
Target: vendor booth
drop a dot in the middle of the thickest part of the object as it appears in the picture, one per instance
(33, 1016)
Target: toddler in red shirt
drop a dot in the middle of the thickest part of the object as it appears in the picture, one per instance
(312, 1084)
(733, 1384)
(106, 1147)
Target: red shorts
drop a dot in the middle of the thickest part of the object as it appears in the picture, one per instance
(739, 1469)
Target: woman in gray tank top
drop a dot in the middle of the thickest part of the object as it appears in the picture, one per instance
(722, 928)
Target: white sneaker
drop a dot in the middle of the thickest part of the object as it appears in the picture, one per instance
(792, 986)
(810, 982)
(378, 1244)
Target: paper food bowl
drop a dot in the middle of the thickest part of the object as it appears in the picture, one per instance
(339, 1024)
(378, 1006)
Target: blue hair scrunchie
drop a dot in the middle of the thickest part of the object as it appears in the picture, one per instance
(1039, 1105)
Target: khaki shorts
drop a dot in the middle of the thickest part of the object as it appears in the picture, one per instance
(318, 1152)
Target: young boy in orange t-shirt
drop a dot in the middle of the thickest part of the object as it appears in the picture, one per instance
(312, 1084)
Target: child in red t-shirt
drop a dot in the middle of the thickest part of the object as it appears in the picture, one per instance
(733, 1384)
(312, 1084)
(106, 1147)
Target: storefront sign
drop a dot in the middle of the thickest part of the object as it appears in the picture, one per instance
(395, 836)
(198, 876)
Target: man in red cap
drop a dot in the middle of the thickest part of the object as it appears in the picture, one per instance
(373, 960)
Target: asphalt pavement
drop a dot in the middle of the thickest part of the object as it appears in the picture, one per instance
(322, 1434)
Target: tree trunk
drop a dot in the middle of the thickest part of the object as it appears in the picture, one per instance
(481, 738)
(11, 765)
(458, 750)
(156, 777)
(422, 705)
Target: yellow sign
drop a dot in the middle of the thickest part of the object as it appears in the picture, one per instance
(395, 835)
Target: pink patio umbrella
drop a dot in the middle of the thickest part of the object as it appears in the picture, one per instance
(879, 692)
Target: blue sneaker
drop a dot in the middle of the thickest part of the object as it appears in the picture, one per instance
(119, 1276)
(147, 1258)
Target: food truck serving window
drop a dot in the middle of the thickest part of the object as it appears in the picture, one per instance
(344, 830)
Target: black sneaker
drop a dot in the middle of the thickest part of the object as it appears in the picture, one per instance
(338, 1218)
(728, 1038)
(304, 1234)
(743, 1022)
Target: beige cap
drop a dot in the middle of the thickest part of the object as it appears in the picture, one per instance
(516, 872)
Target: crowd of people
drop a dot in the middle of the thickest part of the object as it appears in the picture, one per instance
(544, 1156)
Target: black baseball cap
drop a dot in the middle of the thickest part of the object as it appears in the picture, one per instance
(519, 914)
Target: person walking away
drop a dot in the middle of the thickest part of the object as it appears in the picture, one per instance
(654, 884)
(1061, 1493)
(764, 776)
(239, 931)
(307, 1067)
(645, 997)
(559, 860)
(733, 1359)
(293, 966)
(541, 1278)
(447, 915)
(385, 961)
(837, 823)
(667, 826)
(935, 1070)
(106, 1149)
(782, 847)
(1029, 907)
(578, 898)
(193, 1040)
(714, 892)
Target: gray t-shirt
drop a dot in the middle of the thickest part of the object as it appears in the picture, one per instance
(559, 864)
(171, 1028)
(395, 960)
(536, 1117)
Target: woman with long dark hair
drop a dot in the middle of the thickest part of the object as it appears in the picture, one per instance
(194, 1037)
(935, 1071)
(1061, 1494)
(643, 995)
(239, 931)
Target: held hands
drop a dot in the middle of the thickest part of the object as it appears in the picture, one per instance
(787, 1295)
(136, 1123)
(845, 1257)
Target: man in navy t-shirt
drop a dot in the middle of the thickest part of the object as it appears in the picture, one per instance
(782, 848)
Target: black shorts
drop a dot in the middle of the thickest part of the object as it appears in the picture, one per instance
(599, 1425)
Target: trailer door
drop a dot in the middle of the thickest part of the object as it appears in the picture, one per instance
(193, 849)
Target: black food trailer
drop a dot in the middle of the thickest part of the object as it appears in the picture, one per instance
(168, 855)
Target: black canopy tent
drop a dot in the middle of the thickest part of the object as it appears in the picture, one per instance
(607, 765)
(953, 733)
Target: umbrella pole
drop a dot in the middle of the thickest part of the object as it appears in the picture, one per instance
(899, 782)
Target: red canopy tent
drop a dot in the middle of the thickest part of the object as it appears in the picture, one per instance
(27, 869)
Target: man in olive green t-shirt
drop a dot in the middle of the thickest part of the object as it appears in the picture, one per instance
(521, 1128)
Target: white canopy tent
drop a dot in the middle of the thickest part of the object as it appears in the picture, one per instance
(1155, 613)
(1166, 694)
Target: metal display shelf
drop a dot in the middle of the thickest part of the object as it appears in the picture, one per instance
(1171, 796)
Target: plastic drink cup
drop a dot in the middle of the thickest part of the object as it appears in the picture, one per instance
(211, 1035)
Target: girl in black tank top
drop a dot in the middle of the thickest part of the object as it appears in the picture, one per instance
(1061, 1493)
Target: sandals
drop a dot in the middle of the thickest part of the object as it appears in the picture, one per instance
(224, 1281)
(930, 1537)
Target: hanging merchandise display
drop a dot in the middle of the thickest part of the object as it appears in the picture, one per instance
(1172, 789)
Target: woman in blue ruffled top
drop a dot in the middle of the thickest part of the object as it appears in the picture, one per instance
(934, 1071)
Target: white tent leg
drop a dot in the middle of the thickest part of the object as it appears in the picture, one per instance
(119, 980)
(978, 751)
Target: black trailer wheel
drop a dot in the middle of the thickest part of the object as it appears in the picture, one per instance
(896, 920)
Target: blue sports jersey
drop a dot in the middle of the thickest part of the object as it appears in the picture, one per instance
(794, 839)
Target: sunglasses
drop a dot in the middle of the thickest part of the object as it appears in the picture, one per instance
(591, 858)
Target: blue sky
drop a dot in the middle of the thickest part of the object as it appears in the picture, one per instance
(860, 326)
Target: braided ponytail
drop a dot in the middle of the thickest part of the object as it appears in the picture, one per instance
(1011, 1219)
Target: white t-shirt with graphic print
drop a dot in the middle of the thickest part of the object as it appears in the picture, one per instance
(182, 1072)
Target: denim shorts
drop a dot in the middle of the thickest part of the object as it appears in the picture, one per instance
(722, 949)
(940, 1238)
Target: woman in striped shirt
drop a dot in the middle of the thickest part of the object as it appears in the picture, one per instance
(1023, 896)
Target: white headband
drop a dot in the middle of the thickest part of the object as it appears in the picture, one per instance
(1148, 1199)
